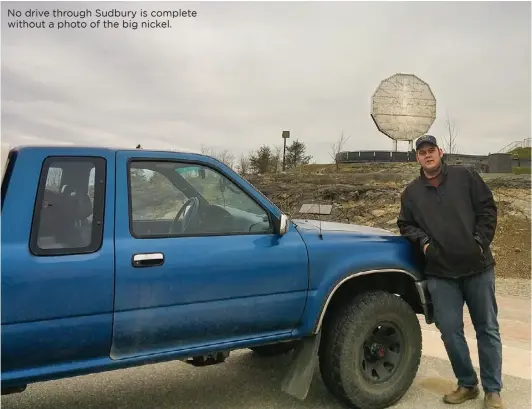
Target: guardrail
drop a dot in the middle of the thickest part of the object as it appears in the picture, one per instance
(525, 143)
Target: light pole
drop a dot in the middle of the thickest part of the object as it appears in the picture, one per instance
(286, 135)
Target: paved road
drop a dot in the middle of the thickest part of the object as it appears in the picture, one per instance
(244, 381)
(514, 322)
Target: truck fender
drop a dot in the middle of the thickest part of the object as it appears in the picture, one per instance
(420, 285)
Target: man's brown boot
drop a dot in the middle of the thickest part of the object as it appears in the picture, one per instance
(461, 395)
(492, 400)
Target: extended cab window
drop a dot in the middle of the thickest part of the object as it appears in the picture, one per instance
(177, 199)
(68, 216)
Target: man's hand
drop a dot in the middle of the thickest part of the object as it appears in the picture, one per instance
(425, 248)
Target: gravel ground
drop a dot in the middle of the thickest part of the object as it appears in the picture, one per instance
(244, 381)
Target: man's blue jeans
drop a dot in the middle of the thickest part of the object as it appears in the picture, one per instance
(478, 292)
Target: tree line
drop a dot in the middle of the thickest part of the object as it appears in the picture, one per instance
(265, 159)
(268, 159)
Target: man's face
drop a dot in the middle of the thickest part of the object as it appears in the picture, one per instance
(429, 157)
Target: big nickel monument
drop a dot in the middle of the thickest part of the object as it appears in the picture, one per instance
(403, 108)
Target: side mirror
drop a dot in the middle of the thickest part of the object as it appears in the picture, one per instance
(282, 224)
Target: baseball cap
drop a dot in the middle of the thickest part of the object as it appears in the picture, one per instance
(426, 139)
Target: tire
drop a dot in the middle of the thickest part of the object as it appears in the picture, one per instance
(343, 356)
(274, 349)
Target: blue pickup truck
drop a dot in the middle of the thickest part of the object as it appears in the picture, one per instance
(114, 258)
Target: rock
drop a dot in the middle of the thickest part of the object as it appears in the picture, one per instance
(378, 212)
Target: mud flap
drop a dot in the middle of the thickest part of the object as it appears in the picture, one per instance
(299, 377)
(426, 302)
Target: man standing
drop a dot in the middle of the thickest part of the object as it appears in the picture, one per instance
(449, 212)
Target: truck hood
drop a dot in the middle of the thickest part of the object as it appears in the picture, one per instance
(344, 248)
(316, 225)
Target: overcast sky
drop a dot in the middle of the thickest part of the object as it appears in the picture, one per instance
(239, 73)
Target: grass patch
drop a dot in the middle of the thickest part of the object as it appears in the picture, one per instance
(521, 171)
(522, 153)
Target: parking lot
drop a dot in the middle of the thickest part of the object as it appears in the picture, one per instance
(246, 381)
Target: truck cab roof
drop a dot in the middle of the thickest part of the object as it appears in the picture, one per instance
(82, 150)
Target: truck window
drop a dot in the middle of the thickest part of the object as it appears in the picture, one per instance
(153, 196)
(68, 216)
(159, 190)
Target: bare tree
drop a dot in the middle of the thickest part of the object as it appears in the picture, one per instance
(277, 159)
(243, 165)
(336, 148)
(227, 157)
(452, 135)
(223, 156)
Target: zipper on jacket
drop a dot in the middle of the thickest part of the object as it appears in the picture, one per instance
(439, 193)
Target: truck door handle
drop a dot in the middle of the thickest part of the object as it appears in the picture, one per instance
(148, 260)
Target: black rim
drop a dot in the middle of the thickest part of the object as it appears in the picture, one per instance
(382, 351)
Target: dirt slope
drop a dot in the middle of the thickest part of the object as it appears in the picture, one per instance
(369, 194)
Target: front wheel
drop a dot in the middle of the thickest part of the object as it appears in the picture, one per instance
(371, 351)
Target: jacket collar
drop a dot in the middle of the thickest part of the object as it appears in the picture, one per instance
(443, 174)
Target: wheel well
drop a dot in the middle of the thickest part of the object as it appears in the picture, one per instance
(392, 282)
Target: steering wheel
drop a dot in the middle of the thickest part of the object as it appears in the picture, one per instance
(192, 212)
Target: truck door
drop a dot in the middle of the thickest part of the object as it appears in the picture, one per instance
(57, 260)
(197, 261)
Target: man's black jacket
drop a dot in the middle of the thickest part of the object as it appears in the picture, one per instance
(457, 219)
